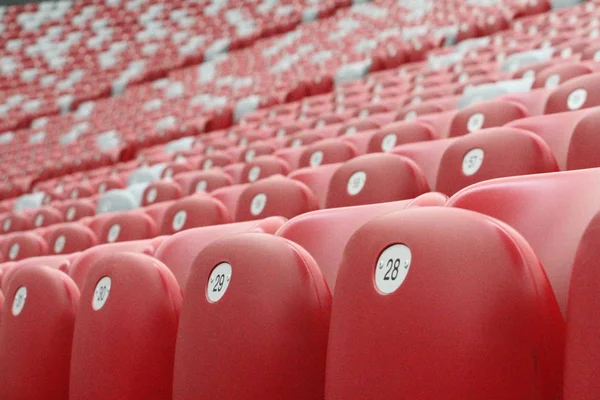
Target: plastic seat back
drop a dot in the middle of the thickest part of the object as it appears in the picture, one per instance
(74, 210)
(582, 343)
(263, 167)
(280, 355)
(274, 196)
(46, 216)
(123, 226)
(179, 250)
(485, 115)
(553, 76)
(552, 228)
(162, 190)
(492, 153)
(575, 94)
(81, 264)
(325, 233)
(192, 212)
(328, 151)
(202, 181)
(69, 238)
(125, 330)
(14, 222)
(375, 178)
(20, 245)
(36, 334)
(423, 285)
(427, 155)
(398, 133)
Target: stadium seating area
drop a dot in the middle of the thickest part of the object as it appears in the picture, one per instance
(300, 199)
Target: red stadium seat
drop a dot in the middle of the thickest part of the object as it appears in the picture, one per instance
(202, 181)
(553, 76)
(280, 355)
(175, 168)
(82, 263)
(570, 135)
(483, 115)
(20, 245)
(179, 251)
(74, 210)
(327, 151)
(123, 226)
(317, 179)
(375, 178)
(159, 191)
(575, 94)
(552, 228)
(263, 167)
(45, 216)
(69, 238)
(335, 226)
(36, 334)
(453, 164)
(395, 134)
(274, 196)
(130, 306)
(191, 212)
(582, 344)
(80, 190)
(408, 271)
(14, 222)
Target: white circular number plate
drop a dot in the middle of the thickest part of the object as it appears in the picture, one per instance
(250, 154)
(566, 52)
(576, 99)
(101, 293)
(356, 183)
(59, 244)
(552, 81)
(529, 74)
(7, 224)
(151, 196)
(472, 161)
(19, 300)
(70, 213)
(207, 164)
(350, 131)
(13, 252)
(179, 220)
(475, 122)
(218, 282)
(296, 143)
(392, 267)
(258, 204)
(201, 186)
(316, 158)
(254, 173)
(113, 233)
(389, 142)
(410, 115)
(39, 220)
